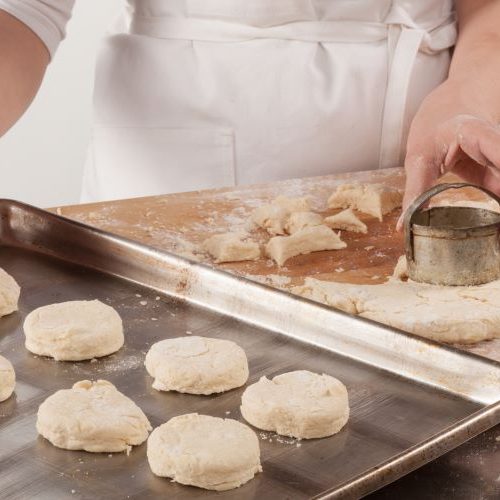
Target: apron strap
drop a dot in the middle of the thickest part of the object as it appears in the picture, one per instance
(400, 71)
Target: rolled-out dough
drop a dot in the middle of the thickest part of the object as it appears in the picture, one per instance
(197, 365)
(7, 379)
(371, 199)
(9, 293)
(92, 416)
(274, 216)
(299, 220)
(347, 221)
(304, 241)
(74, 330)
(299, 404)
(231, 247)
(447, 314)
(203, 451)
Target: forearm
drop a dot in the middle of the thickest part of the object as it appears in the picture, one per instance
(475, 67)
(23, 61)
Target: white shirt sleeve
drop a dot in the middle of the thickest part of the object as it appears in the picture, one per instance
(47, 18)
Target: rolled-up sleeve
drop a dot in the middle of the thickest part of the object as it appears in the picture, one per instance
(47, 18)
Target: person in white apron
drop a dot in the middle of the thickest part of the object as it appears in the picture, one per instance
(196, 94)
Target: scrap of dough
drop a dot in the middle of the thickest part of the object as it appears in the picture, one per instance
(304, 241)
(293, 204)
(7, 379)
(299, 220)
(92, 416)
(400, 272)
(197, 365)
(9, 293)
(208, 452)
(372, 199)
(347, 221)
(273, 217)
(299, 404)
(231, 247)
(447, 314)
(74, 330)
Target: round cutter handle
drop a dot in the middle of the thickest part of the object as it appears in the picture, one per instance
(420, 201)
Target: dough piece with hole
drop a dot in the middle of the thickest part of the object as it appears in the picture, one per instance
(231, 247)
(304, 241)
(7, 379)
(298, 404)
(208, 452)
(372, 199)
(197, 365)
(92, 416)
(300, 220)
(449, 314)
(9, 293)
(273, 217)
(347, 221)
(74, 330)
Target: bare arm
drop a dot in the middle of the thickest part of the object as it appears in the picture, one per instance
(457, 127)
(23, 61)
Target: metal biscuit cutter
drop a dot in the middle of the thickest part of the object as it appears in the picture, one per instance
(451, 245)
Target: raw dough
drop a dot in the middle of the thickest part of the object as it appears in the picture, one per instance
(447, 314)
(207, 452)
(273, 217)
(304, 241)
(299, 220)
(9, 293)
(92, 416)
(347, 221)
(372, 199)
(300, 404)
(74, 331)
(231, 247)
(7, 379)
(401, 270)
(197, 365)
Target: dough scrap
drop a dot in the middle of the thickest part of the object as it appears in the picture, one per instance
(9, 293)
(231, 247)
(7, 379)
(347, 221)
(299, 220)
(92, 416)
(371, 199)
(446, 314)
(299, 404)
(273, 217)
(208, 452)
(304, 241)
(74, 330)
(197, 365)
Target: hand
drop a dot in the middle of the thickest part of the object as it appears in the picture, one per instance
(450, 135)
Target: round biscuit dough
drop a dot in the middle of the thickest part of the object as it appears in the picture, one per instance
(197, 365)
(92, 416)
(9, 293)
(203, 451)
(74, 331)
(7, 379)
(298, 404)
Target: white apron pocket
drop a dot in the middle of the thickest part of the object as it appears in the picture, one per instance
(127, 162)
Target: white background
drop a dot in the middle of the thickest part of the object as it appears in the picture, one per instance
(42, 156)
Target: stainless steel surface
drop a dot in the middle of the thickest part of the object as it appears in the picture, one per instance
(411, 399)
(452, 245)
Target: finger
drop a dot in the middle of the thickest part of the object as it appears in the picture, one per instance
(481, 141)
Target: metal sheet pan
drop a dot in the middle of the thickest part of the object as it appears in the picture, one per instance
(411, 399)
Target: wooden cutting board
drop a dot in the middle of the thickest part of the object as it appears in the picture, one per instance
(180, 222)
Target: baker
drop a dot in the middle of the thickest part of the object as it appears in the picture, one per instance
(195, 94)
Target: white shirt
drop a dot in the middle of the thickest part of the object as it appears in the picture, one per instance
(47, 18)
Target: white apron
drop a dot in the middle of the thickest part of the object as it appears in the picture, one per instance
(197, 94)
